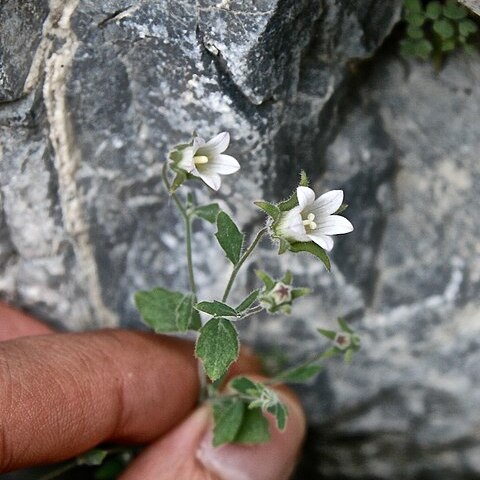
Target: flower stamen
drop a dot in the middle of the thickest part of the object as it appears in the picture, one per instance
(309, 221)
(200, 159)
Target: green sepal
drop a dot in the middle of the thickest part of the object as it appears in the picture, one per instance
(269, 208)
(217, 346)
(217, 309)
(304, 181)
(288, 204)
(180, 177)
(312, 248)
(287, 278)
(283, 246)
(330, 334)
(344, 325)
(166, 311)
(248, 301)
(227, 418)
(229, 237)
(299, 292)
(266, 279)
(208, 212)
(254, 428)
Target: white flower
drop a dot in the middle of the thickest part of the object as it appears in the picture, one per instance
(313, 219)
(206, 160)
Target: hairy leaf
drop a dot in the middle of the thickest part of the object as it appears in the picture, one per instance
(217, 309)
(314, 249)
(229, 237)
(208, 212)
(280, 411)
(254, 428)
(227, 417)
(217, 346)
(248, 301)
(299, 374)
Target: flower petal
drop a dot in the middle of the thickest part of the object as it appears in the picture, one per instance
(222, 164)
(198, 142)
(213, 180)
(291, 227)
(327, 203)
(323, 241)
(215, 146)
(333, 225)
(305, 196)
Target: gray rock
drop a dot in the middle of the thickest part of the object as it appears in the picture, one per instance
(101, 92)
(473, 5)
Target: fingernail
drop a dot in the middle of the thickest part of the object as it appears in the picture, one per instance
(274, 460)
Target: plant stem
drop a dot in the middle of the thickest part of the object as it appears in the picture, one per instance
(237, 267)
(187, 219)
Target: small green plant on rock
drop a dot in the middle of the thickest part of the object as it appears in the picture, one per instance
(436, 28)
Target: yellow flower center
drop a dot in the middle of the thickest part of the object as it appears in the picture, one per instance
(200, 159)
(309, 222)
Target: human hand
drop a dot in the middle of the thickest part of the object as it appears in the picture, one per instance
(62, 394)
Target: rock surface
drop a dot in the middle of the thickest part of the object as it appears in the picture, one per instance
(105, 90)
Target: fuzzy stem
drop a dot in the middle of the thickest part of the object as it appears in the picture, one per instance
(237, 267)
(188, 229)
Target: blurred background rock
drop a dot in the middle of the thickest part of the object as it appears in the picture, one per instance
(93, 94)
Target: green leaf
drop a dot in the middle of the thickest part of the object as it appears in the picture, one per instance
(454, 11)
(448, 45)
(413, 5)
(414, 32)
(229, 237)
(254, 428)
(280, 411)
(314, 249)
(415, 19)
(248, 301)
(217, 309)
(269, 208)
(227, 417)
(111, 469)
(344, 325)
(266, 279)
(165, 311)
(93, 457)
(304, 181)
(444, 28)
(433, 10)
(466, 27)
(217, 346)
(208, 212)
(183, 312)
(299, 374)
(330, 334)
(422, 48)
(243, 385)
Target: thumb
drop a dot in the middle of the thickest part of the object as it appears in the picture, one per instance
(187, 451)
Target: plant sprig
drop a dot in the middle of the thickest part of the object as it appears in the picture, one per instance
(302, 223)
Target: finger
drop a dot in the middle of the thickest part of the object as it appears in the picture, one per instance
(62, 394)
(14, 323)
(187, 451)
